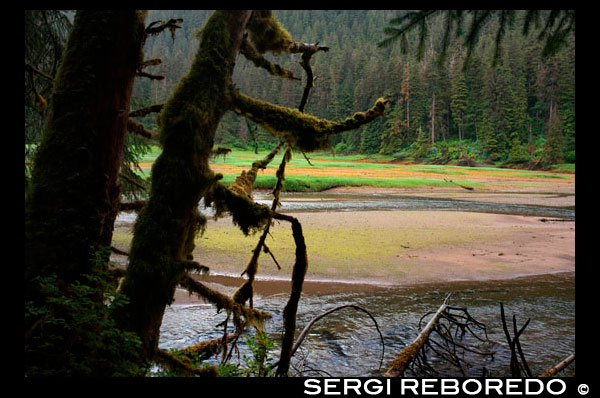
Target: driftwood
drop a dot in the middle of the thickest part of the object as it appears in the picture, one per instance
(516, 367)
(559, 366)
(462, 186)
(408, 354)
(445, 345)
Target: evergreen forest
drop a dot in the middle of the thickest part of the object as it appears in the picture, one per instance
(516, 110)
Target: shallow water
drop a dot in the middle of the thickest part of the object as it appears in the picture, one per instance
(346, 342)
(326, 201)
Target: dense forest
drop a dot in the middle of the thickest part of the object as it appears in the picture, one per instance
(516, 110)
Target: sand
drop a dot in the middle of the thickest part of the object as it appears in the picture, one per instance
(358, 249)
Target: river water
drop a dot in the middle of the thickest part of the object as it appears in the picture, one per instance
(346, 343)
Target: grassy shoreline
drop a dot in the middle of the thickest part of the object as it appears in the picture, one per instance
(327, 171)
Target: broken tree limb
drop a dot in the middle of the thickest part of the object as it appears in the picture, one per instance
(409, 353)
(515, 346)
(559, 366)
(132, 206)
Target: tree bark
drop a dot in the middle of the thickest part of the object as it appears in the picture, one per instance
(74, 197)
(181, 176)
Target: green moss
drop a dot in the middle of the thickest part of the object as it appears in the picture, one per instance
(304, 132)
(166, 228)
(267, 34)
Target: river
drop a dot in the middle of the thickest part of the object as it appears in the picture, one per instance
(346, 343)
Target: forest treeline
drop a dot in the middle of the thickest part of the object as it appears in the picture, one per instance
(519, 110)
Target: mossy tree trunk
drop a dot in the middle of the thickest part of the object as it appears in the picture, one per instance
(165, 229)
(74, 195)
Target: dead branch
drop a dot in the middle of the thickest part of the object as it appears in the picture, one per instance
(244, 182)
(158, 26)
(141, 73)
(305, 132)
(220, 151)
(289, 312)
(132, 182)
(29, 68)
(559, 366)
(450, 325)
(515, 346)
(119, 251)
(297, 47)
(407, 355)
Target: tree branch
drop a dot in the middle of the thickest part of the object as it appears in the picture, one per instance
(254, 317)
(252, 54)
(409, 353)
(306, 132)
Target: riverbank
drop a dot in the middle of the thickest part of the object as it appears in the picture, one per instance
(398, 247)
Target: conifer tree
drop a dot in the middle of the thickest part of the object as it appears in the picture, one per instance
(459, 103)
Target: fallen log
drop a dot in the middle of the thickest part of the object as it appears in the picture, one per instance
(409, 353)
(462, 186)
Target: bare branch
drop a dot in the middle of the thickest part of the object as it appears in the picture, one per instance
(409, 353)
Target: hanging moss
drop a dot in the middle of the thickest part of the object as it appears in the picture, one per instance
(266, 33)
(253, 55)
(246, 214)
